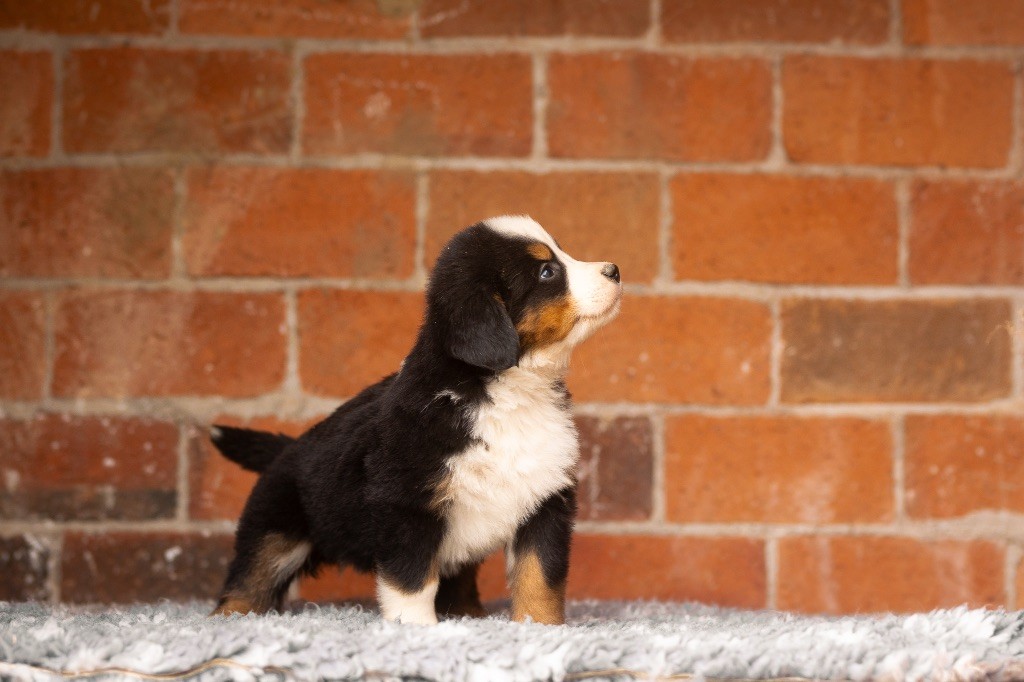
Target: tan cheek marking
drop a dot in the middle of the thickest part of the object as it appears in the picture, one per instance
(540, 251)
(531, 594)
(548, 324)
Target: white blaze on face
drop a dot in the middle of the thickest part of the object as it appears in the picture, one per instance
(596, 296)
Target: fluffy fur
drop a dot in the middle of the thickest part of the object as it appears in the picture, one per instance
(469, 447)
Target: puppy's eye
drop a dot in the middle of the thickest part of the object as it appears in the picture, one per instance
(547, 271)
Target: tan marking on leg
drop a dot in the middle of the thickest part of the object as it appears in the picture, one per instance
(531, 594)
(540, 251)
(457, 594)
(276, 562)
(229, 605)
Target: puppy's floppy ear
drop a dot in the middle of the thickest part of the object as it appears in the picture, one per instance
(480, 333)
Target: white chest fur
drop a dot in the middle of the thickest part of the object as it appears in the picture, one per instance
(525, 449)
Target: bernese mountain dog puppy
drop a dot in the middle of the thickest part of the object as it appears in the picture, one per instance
(469, 447)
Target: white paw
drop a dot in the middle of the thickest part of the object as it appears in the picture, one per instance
(405, 607)
(416, 618)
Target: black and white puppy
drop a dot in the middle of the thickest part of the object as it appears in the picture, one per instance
(469, 447)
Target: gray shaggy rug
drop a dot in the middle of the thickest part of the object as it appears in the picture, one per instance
(601, 641)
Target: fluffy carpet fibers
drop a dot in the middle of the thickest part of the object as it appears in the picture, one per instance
(602, 640)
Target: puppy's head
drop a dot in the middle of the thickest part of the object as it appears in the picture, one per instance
(503, 294)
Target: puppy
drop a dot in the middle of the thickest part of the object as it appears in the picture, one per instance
(469, 447)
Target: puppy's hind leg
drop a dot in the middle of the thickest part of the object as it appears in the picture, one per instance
(258, 583)
(271, 547)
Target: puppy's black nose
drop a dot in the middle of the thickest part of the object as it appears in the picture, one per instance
(611, 271)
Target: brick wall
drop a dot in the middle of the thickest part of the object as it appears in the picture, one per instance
(812, 398)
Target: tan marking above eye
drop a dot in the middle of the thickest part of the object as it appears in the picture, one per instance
(540, 251)
(547, 324)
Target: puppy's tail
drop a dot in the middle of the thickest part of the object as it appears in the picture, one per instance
(253, 450)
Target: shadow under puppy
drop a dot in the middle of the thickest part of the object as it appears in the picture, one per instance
(469, 447)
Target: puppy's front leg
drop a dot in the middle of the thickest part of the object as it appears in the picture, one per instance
(407, 568)
(539, 560)
(407, 604)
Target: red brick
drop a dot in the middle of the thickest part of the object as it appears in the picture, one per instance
(351, 339)
(26, 79)
(784, 229)
(777, 469)
(967, 233)
(445, 18)
(868, 574)
(86, 222)
(957, 465)
(218, 488)
(724, 570)
(849, 22)
(22, 345)
(118, 343)
(127, 567)
(897, 112)
(954, 22)
(300, 222)
(86, 16)
(25, 567)
(904, 350)
(61, 467)
(594, 216)
(677, 350)
(616, 468)
(491, 578)
(418, 105)
(295, 18)
(647, 105)
(132, 100)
